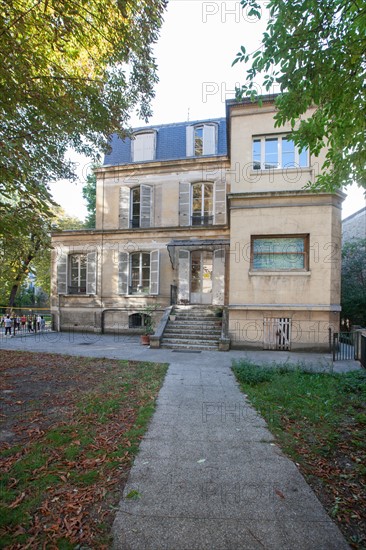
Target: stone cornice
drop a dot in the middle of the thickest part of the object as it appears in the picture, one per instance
(175, 165)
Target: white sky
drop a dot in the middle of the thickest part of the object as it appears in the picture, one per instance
(198, 42)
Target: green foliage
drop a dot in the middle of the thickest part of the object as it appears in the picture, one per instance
(353, 290)
(315, 53)
(26, 248)
(70, 75)
(90, 195)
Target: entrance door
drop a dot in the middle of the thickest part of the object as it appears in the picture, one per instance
(201, 277)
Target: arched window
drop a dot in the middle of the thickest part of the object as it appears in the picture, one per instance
(135, 320)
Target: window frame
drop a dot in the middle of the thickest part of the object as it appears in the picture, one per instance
(209, 139)
(135, 222)
(141, 267)
(202, 219)
(79, 289)
(306, 240)
(198, 140)
(137, 135)
(263, 159)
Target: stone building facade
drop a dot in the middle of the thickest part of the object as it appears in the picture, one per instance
(354, 226)
(210, 213)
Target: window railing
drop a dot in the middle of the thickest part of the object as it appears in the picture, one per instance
(76, 290)
(202, 220)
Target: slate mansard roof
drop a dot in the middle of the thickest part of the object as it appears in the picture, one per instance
(170, 142)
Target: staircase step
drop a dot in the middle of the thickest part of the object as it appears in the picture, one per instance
(198, 347)
(195, 321)
(194, 328)
(190, 338)
(192, 332)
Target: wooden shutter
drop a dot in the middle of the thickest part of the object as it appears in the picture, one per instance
(62, 273)
(137, 145)
(220, 202)
(218, 283)
(184, 272)
(209, 139)
(154, 272)
(189, 141)
(184, 203)
(143, 147)
(124, 207)
(91, 273)
(146, 206)
(149, 146)
(123, 263)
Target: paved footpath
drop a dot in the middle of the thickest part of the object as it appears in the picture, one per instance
(208, 474)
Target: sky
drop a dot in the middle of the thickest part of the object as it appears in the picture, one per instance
(198, 43)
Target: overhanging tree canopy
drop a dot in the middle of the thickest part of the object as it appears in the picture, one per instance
(70, 74)
(315, 52)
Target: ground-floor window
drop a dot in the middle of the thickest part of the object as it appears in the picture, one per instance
(138, 320)
(140, 273)
(77, 274)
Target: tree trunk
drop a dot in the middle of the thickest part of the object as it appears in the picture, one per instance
(22, 271)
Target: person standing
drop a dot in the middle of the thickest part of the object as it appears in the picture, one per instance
(7, 323)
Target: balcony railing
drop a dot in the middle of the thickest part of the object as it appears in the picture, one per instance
(202, 220)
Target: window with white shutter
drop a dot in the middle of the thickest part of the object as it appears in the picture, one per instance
(143, 147)
(78, 274)
(62, 274)
(91, 273)
(202, 203)
(201, 139)
(138, 273)
(136, 207)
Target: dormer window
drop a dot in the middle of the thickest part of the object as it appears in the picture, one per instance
(198, 141)
(278, 152)
(143, 146)
(201, 140)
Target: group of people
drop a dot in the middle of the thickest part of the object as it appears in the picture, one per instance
(31, 323)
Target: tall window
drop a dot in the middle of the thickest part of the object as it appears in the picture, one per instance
(135, 206)
(143, 146)
(140, 273)
(77, 274)
(201, 139)
(198, 141)
(202, 204)
(280, 253)
(278, 152)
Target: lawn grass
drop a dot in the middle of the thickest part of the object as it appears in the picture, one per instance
(63, 475)
(319, 420)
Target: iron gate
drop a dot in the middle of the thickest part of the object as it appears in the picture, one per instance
(345, 346)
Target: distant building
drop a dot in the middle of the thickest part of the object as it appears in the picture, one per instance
(354, 227)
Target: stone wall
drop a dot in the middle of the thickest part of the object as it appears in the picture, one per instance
(354, 227)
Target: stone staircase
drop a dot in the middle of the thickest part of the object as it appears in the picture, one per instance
(194, 328)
